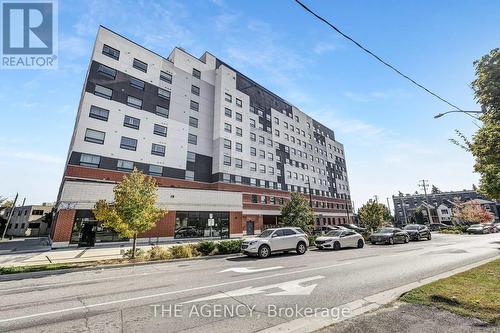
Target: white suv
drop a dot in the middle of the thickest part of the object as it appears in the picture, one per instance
(276, 240)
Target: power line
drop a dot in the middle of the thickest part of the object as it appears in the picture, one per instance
(377, 57)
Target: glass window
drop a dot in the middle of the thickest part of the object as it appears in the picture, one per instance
(262, 168)
(160, 130)
(134, 102)
(228, 98)
(155, 170)
(195, 224)
(165, 94)
(125, 165)
(110, 52)
(128, 143)
(189, 175)
(165, 77)
(253, 151)
(192, 139)
(193, 122)
(227, 160)
(262, 154)
(253, 137)
(261, 140)
(226, 177)
(136, 83)
(252, 123)
(191, 157)
(239, 116)
(227, 144)
(195, 90)
(194, 106)
(196, 73)
(107, 71)
(253, 166)
(239, 131)
(90, 160)
(157, 149)
(98, 113)
(162, 111)
(102, 91)
(239, 103)
(228, 112)
(142, 66)
(131, 122)
(94, 136)
(227, 127)
(277, 132)
(238, 163)
(239, 147)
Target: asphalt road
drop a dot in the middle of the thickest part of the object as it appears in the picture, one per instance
(227, 294)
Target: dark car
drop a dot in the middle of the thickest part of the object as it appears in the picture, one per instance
(186, 232)
(354, 227)
(478, 229)
(324, 229)
(437, 226)
(389, 236)
(418, 232)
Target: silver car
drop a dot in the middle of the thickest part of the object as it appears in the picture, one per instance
(276, 240)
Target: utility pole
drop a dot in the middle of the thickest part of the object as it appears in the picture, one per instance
(376, 198)
(389, 206)
(347, 211)
(10, 216)
(404, 211)
(424, 184)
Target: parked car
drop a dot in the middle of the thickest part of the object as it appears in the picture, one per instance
(437, 226)
(492, 227)
(418, 232)
(497, 225)
(324, 229)
(389, 236)
(354, 227)
(478, 229)
(276, 240)
(337, 239)
(186, 232)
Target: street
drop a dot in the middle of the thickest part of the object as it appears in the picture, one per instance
(227, 294)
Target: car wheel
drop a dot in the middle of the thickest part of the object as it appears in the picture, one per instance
(264, 251)
(407, 239)
(418, 237)
(373, 243)
(391, 241)
(301, 248)
(429, 236)
(336, 246)
(360, 243)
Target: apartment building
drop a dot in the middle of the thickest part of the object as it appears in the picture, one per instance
(219, 145)
(29, 220)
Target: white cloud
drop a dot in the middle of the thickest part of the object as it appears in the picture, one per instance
(323, 47)
(376, 95)
(73, 46)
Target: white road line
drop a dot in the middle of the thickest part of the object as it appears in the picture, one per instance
(167, 293)
(249, 269)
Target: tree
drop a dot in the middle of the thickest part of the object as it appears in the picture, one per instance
(419, 216)
(435, 190)
(471, 212)
(372, 214)
(297, 213)
(134, 208)
(485, 142)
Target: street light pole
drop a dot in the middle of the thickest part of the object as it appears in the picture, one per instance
(10, 216)
(467, 112)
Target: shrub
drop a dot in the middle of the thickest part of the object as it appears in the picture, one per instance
(194, 250)
(229, 246)
(158, 253)
(206, 247)
(311, 240)
(139, 254)
(181, 251)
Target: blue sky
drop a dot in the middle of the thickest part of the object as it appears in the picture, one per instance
(386, 124)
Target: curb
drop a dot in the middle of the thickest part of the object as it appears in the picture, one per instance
(366, 304)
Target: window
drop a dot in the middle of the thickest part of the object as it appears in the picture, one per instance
(90, 160)
(239, 103)
(261, 140)
(237, 179)
(191, 157)
(227, 127)
(262, 154)
(142, 66)
(98, 113)
(277, 132)
(228, 98)
(226, 177)
(189, 175)
(253, 166)
(276, 121)
(125, 165)
(263, 199)
(106, 71)
(131, 122)
(252, 123)
(195, 90)
(269, 142)
(253, 151)
(134, 102)
(165, 94)
(227, 160)
(162, 111)
(254, 198)
(110, 52)
(239, 117)
(165, 77)
(253, 181)
(128, 143)
(192, 139)
(238, 163)
(297, 118)
(194, 106)
(253, 137)
(155, 170)
(196, 73)
(228, 112)
(239, 147)
(262, 168)
(227, 144)
(193, 122)
(160, 130)
(239, 131)
(136, 83)
(270, 156)
(157, 149)
(94, 136)
(102, 91)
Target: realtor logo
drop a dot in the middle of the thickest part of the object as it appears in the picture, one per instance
(29, 34)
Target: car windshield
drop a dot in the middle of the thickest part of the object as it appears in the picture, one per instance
(334, 233)
(476, 225)
(386, 230)
(411, 227)
(266, 233)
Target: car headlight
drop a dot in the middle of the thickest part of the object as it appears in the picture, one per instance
(252, 242)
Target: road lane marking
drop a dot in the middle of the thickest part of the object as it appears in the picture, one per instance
(168, 293)
(288, 288)
(250, 269)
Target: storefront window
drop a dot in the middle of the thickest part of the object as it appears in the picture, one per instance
(87, 230)
(195, 225)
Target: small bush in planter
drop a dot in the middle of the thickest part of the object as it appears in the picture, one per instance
(206, 247)
(181, 251)
(229, 246)
(139, 254)
(158, 253)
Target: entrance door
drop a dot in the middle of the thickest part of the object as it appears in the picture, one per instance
(250, 227)
(87, 235)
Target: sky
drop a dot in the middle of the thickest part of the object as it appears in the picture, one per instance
(386, 124)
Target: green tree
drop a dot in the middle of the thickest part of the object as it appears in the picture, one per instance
(435, 189)
(418, 216)
(134, 208)
(297, 213)
(373, 214)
